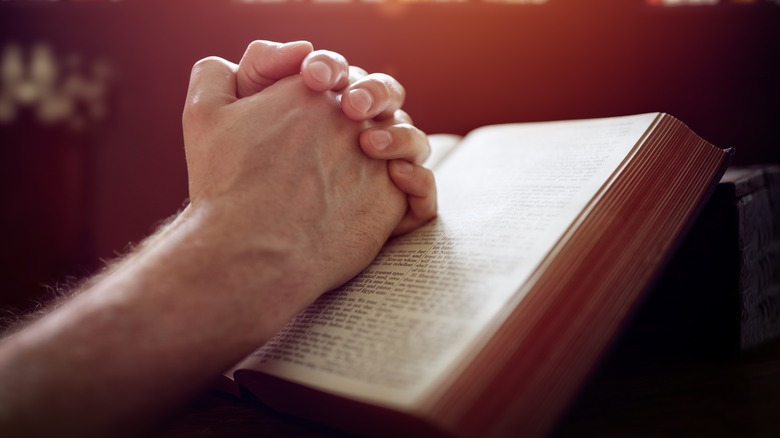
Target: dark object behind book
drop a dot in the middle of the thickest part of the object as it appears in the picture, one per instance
(698, 357)
(720, 294)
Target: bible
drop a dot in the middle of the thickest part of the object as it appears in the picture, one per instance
(487, 320)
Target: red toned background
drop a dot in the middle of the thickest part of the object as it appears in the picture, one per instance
(71, 196)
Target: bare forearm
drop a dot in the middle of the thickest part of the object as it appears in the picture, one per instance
(184, 314)
(284, 207)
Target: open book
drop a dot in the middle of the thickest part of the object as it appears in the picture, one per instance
(486, 321)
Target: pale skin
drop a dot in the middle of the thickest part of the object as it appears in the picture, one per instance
(284, 206)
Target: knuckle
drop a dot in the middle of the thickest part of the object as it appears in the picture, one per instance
(414, 140)
(393, 86)
(356, 73)
(255, 46)
(428, 180)
(195, 112)
(380, 85)
(206, 63)
(403, 117)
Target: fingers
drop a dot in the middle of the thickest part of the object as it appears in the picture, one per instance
(265, 62)
(212, 87)
(212, 84)
(407, 147)
(365, 96)
(419, 185)
(401, 141)
(325, 70)
(375, 96)
(356, 73)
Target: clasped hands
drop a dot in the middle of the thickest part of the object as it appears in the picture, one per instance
(291, 194)
(322, 166)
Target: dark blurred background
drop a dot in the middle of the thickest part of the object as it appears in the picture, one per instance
(91, 92)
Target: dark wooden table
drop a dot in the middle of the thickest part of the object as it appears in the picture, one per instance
(736, 396)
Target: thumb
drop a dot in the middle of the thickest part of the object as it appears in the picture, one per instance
(265, 62)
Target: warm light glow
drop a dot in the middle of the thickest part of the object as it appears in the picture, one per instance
(681, 2)
(526, 2)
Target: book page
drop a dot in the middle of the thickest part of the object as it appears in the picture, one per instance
(441, 146)
(507, 194)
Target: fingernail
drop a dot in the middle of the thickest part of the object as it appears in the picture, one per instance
(321, 71)
(405, 167)
(380, 139)
(361, 100)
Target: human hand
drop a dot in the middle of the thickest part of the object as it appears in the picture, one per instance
(283, 207)
(380, 97)
(278, 172)
(363, 96)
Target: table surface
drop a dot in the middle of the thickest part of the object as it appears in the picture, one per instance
(735, 396)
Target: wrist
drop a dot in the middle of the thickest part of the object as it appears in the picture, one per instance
(246, 259)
